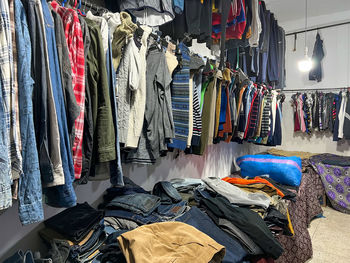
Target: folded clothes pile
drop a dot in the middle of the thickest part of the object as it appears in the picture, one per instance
(75, 234)
(226, 220)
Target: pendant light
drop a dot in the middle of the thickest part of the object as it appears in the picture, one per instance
(306, 64)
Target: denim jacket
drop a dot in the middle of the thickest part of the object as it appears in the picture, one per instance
(61, 195)
(29, 193)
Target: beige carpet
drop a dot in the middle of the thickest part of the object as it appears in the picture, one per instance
(330, 237)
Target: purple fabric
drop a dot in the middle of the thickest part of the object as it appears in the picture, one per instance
(335, 178)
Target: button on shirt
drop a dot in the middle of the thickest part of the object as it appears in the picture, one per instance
(75, 42)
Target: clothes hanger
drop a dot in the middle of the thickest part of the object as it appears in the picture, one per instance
(79, 11)
(75, 4)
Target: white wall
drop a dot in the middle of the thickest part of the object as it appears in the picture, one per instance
(336, 69)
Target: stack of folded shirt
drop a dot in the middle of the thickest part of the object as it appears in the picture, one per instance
(75, 234)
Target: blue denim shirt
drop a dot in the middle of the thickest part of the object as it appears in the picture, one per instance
(63, 195)
(116, 166)
(29, 192)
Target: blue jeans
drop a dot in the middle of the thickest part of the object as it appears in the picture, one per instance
(138, 203)
(63, 195)
(116, 166)
(163, 213)
(140, 219)
(199, 220)
(29, 192)
(19, 257)
(78, 253)
(172, 210)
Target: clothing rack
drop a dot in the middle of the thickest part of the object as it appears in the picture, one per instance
(92, 6)
(315, 89)
(317, 28)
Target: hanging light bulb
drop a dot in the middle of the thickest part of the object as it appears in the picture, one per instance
(306, 64)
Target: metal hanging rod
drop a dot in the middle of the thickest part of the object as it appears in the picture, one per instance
(319, 89)
(317, 28)
(92, 6)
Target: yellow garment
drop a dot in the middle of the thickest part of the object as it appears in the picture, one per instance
(249, 33)
(240, 100)
(218, 78)
(302, 155)
(169, 242)
(120, 36)
(214, 9)
(226, 77)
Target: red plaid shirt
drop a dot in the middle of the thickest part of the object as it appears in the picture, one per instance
(74, 36)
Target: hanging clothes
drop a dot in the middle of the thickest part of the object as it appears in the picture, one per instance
(180, 96)
(6, 176)
(59, 195)
(317, 57)
(76, 55)
(158, 125)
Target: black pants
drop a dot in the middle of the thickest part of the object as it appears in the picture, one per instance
(246, 220)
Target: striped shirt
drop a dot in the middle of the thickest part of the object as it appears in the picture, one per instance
(197, 119)
(180, 100)
(74, 36)
(265, 122)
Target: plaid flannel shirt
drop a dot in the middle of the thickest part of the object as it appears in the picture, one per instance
(74, 37)
(8, 90)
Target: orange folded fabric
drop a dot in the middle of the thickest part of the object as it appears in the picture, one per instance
(256, 180)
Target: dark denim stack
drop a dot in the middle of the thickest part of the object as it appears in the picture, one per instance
(133, 203)
(75, 235)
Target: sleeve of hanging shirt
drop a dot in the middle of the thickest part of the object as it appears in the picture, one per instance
(76, 48)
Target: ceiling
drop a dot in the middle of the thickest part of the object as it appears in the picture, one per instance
(288, 10)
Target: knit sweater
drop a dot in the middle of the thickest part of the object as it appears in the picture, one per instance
(180, 100)
(128, 81)
(265, 122)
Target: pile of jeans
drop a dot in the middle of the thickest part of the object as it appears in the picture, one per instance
(75, 235)
(133, 203)
(27, 257)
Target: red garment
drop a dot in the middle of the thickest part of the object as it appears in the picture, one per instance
(236, 30)
(74, 37)
(296, 117)
(216, 17)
